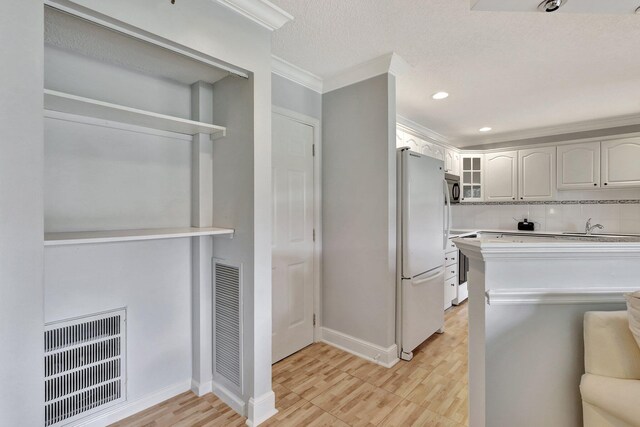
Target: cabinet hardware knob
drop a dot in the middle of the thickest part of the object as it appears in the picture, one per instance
(521, 198)
(606, 183)
(595, 185)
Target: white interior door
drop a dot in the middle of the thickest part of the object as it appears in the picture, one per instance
(292, 240)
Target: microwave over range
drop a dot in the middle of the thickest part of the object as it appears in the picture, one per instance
(453, 183)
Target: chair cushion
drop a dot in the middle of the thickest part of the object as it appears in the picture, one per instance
(633, 310)
(617, 397)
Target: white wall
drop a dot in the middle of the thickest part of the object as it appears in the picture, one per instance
(232, 186)
(294, 97)
(99, 178)
(21, 250)
(217, 32)
(152, 280)
(616, 218)
(359, 210)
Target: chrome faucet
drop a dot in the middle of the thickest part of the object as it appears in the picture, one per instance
(588, 228)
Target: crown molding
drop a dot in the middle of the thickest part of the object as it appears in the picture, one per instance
(549, 131)
(423, 131)
(261, 12)
(390, 63)
(296, 74)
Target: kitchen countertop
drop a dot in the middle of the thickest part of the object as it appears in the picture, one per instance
(501, 237)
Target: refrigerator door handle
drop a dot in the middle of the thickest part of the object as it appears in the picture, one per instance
(429, 276)
(447, 217)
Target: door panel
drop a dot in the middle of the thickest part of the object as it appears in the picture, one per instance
(422, 312)
(621, 163)
(422, 213)
(537, 173)
(292, 244)
(578, 166)
(501, 179)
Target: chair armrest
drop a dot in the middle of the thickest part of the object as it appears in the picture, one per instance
(609, 347)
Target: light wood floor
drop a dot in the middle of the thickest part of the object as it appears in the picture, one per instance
(323, 386)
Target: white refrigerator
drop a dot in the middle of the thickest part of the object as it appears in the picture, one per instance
(424, 219)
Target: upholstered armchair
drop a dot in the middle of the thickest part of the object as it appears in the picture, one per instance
(611, 385)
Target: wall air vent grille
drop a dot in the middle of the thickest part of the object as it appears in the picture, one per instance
(227, 324)
(84, 366)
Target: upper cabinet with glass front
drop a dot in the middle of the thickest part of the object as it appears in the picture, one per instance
(471, 178)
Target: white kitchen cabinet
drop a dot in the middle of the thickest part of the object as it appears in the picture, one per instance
(437, 151)
(621, 163)
(537, 173)
(414, 143)
(471, 179)
(578, 166)
(400, 136)
(452, 162)
(501, 176)
(450, 277)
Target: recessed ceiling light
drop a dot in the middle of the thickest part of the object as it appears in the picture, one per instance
(440, 95)
(485, 129)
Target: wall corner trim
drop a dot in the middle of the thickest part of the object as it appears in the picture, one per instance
(227, 396)
(390, 63)
(261, 12)
(386, 357)
(261, 409)
(296, 74)
(200, 389)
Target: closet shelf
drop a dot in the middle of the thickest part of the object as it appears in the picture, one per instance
(81, 106)
(85, 237)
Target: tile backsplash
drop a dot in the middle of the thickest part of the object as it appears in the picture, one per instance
(621, 217)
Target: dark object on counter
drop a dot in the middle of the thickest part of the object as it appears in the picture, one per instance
(525, 225)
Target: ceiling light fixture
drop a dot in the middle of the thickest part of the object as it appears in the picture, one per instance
(485, 129)
(551, 5)
(440, 95)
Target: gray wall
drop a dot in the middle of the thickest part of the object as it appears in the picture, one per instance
(359, 210)
(21, 250)
(233, 187)
(99, 178)
(294, 97)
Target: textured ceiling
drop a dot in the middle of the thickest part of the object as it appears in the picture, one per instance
(511, 71)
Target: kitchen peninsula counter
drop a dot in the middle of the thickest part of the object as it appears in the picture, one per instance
(528, 292)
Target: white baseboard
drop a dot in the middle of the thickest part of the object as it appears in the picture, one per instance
(126, 409)
(200, 389)
(230, 398)
(386, 357)
(261, 409)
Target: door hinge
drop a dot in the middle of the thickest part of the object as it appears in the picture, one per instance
(314, 234)
(313, 150)
(314, 319)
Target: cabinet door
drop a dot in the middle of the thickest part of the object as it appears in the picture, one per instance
(448, 161)
(438, 152)
(578, 166)
(456, 164)
(621, 163)
(414, 144)
(400, 136)
(471, 178)
(449, 291)
(500, 176)
(537, 173)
